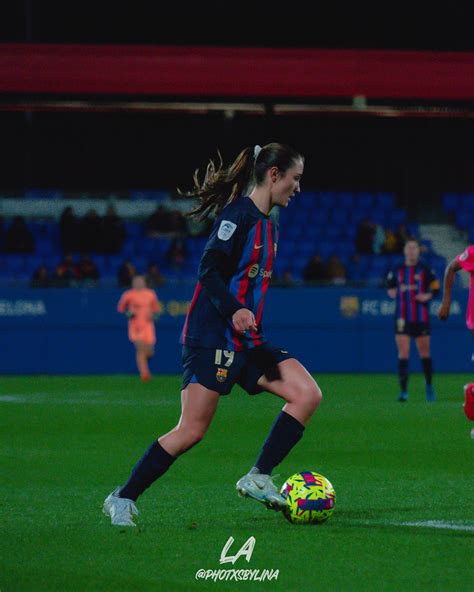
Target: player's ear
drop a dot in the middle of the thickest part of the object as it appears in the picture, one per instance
(274, 174)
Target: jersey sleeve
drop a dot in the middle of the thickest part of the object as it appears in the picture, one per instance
(391, 280)
(227, 232)
(123, 302)
(466, 259)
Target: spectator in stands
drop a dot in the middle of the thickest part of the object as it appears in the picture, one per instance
(69, 231)
(40, 278)
(315, 270)
(390, 244)
(158, 222)
(91, 232)
(176, 255)
(379, 239)
(66, 273)
(113, 232)
(88, 270)
(403, 236)
(125, 274)
(286, 280)
(176, 222)
(18, 238)
(365, 237)
(153, 276)
(336, 270)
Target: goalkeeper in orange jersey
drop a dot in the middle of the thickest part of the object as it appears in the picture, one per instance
(141, 306)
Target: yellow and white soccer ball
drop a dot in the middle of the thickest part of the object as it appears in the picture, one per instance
(310, 498)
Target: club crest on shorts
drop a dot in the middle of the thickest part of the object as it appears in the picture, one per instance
(221, 374)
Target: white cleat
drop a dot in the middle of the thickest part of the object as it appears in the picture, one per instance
(261, 488)
(120, 509)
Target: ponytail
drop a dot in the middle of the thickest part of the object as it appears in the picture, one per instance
(221, 184)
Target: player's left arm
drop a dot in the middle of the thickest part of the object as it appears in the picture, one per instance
(430, 289)
(392, 284)
(449, 274)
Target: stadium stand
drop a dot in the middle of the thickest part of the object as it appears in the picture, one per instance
(321, 223)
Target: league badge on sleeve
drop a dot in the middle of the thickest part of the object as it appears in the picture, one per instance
(226, 230)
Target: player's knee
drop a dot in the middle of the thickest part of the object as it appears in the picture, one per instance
(194, 434)
(309, 396)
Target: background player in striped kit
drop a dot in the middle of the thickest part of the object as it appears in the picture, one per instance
(223, 339)
(413, 284)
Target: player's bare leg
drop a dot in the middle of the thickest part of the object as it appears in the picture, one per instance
(142, 360)
(294, 384)
(423, 347)
(403, 346)
(198, 406)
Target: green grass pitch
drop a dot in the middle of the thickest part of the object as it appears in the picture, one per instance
(66, 442)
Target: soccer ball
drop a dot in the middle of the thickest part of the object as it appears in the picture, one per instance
(310, 498)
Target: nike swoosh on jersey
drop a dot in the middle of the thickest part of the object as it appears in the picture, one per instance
(257, 246)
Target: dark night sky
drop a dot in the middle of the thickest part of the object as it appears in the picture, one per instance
(79, 151)
(256, 23)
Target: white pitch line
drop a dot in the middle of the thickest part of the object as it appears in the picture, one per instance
(436, 524)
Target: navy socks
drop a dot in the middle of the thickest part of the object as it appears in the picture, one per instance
(403, 374)
(284, 434)
(154, 463)
(428, 370)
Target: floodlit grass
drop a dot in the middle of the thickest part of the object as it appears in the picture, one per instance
(66, 442)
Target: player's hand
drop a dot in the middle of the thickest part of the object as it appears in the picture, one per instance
(243, 320)
(443, 312)
(423, 297)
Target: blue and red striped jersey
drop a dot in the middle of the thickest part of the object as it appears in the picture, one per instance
(234, 272)
(411, 280)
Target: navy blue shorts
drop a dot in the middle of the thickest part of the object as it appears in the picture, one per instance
(218, 369)
(412, 328)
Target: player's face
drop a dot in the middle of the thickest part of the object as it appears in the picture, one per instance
(412, 252)
(287, 184)
(138, 282)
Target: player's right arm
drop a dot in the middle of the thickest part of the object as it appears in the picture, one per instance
(449, 274)
(124, 303)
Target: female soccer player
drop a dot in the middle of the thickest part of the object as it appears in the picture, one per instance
(463, 261)
(223, 340)
(141, 305)
(413, 284)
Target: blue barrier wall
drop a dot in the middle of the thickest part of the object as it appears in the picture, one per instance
(74, 331)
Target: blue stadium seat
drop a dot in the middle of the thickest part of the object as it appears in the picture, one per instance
(43, 194)
(327, 200)
(364, 201)
(385, 201)
(397, 217)
(44, 247)
(346, 200)
(450, 202)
